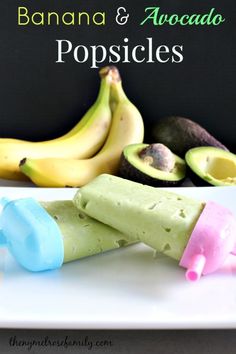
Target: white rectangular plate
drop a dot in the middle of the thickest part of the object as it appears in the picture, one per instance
(122, 289)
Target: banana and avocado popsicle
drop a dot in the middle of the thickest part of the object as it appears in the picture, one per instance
(82, 236)
(199, 235)
(43, 236)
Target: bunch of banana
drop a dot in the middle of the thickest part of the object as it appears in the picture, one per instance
(83, 141)
(126, 128)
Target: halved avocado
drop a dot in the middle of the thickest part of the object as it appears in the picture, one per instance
(153, 164)
(212, 166)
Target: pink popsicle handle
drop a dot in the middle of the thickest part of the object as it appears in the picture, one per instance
(234, 251)
(196, 267)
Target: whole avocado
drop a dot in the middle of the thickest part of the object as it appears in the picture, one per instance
(181, 134)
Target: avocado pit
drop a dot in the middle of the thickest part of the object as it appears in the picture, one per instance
(158, 156)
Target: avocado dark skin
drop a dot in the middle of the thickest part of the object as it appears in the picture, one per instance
(181, 134)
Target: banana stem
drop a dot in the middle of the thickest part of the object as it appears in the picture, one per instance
(117, 93)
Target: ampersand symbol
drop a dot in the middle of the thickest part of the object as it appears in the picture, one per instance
(122, 16)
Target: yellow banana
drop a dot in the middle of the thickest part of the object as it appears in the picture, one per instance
(83, 141)
(127, 128)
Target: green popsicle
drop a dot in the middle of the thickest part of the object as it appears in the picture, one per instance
(161, 219)
(82, 235)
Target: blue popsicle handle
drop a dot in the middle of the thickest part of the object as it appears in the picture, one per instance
(4, 201)
(3, 240)
(31, 234)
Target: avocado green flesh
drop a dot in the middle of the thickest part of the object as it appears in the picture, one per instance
(82, 235)
(131, 154)
(216, 166)
(160, 219)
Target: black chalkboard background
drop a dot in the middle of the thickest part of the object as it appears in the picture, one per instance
(41, 99)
